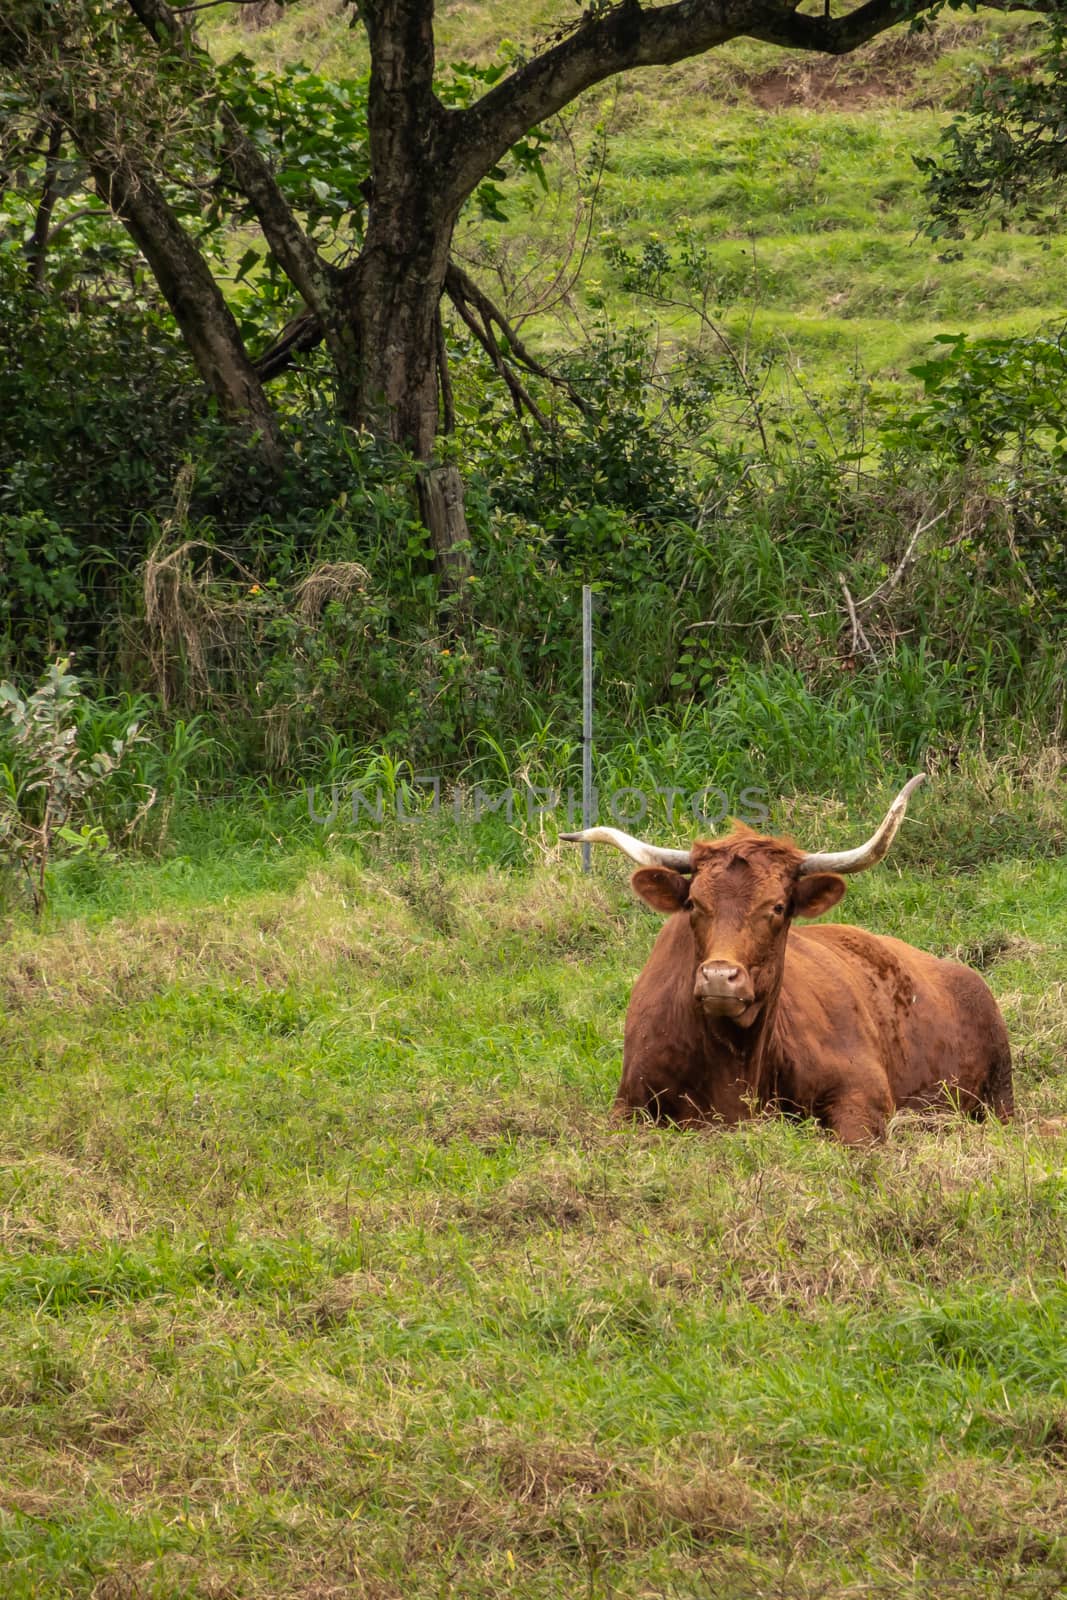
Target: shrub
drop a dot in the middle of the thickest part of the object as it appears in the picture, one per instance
(47, 781)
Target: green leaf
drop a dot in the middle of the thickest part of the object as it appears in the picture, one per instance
(250, 259)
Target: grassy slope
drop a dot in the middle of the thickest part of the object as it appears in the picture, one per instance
(324, 1274)
(797, 173)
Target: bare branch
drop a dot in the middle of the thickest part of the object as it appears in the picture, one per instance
(37, 247)
(859, 638)
(483, 333)
(160, 21)
(883, 588)
(572, 255)
(466, 295)
(894, 578)
(303, 333)
(207, 5)
(448, 400)
(76, 216)
(752, 394)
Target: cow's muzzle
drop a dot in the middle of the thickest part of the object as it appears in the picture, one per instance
(723, 990)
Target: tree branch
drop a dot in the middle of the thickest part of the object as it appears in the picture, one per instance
(448, 399)
(297, 256)
(466, 296)
(309, 274)
(76, 216)
(859, 638)
(483, 333)
(303, 333)
(186, 283)
(161, 22)
(631, 34)
(37, 248)
(207, 5)
(477, 311)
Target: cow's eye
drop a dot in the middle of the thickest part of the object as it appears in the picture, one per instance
(779, 910)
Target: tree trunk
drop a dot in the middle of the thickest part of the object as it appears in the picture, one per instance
(185, 281)
(440, 491)
(398, 289)
(396, 286)
(400, 275)
(398, 307)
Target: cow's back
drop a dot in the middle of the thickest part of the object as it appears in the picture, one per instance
(853, 998)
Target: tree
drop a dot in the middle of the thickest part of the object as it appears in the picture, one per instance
(170, 138)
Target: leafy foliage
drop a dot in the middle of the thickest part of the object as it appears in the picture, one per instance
(623, 454)
(80, 459)
(984, 397)
(47, 780)
(1006, 154)
(1002, 403)
(314, 131)
(41, 595)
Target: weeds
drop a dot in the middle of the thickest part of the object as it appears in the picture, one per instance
(49, 782)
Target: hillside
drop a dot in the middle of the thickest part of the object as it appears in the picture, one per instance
(795, 175)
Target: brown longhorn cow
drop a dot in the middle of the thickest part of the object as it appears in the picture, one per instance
(737, 1009)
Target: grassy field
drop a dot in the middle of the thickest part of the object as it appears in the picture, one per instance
(324, 1274)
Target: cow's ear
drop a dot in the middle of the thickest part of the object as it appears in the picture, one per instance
(812, 896)
(660, 888)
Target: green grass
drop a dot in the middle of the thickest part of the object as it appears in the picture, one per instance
(809, 219)
(324, 1274)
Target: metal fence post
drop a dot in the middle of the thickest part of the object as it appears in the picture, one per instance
(588, 818)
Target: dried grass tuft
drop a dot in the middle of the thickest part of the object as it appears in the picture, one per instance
(192, 623)
(329, 582)
(201, 624)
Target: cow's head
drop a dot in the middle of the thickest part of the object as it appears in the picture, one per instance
(740, 894)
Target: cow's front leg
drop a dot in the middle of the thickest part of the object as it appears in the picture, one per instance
(664, 1094)
(659, 1090)
(858, 1117)
(638, 1098)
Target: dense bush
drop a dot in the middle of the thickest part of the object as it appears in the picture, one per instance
(78, 461)
(292, 616)
(746, 622)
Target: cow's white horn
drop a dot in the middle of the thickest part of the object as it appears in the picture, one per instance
(869, 854)
(646, 855)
